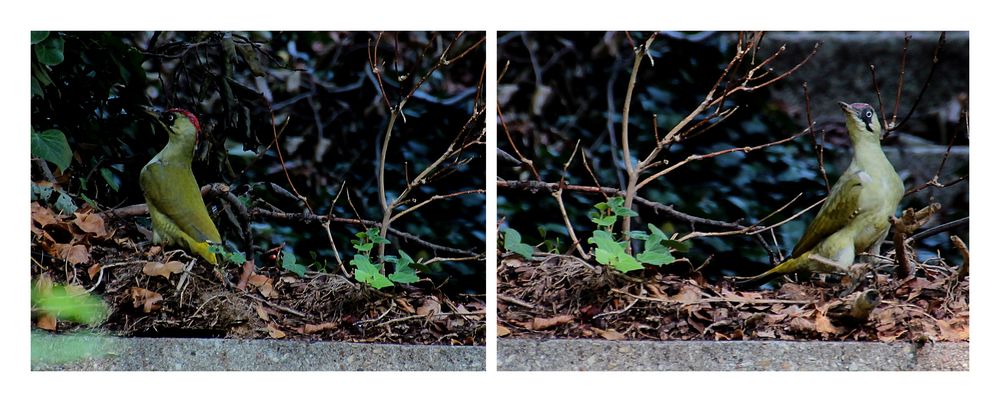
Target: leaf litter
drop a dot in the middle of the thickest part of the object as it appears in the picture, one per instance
(567, 297)
(152, 293)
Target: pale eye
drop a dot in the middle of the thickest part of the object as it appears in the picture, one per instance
(868, 114)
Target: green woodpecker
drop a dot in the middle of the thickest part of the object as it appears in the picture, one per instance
(855, 216)
(172, 194)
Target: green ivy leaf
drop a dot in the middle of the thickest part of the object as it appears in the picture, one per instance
(604, 240)
(289, 264)
(603, 256)
(38, 36)
(363, 247)
(404, 275)
(680, 247)
(51, 145)
(638, 235)
(65, 203)
(512, 243)
(626, 263)
(110, 178)
(611, 252)
(36, 88)
(89, 201)
(50, 51)
(366, 272)
(657, 258)
(605, 221)
(239, 258)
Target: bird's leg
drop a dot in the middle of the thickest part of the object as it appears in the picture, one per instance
(857, 274)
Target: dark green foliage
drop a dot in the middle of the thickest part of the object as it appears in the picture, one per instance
(328, 114)
(580, 68)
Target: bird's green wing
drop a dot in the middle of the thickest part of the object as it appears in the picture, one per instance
(836, 212)
(173, 191)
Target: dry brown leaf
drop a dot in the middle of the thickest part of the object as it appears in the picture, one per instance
(41, 215)
(46, 322)
(502, 330)
(261, 312)
(954, 329)
(263, 284)
(153, 268)
(154, 251)
(539, 323)
(405, 305)
(430, 306)
(93, 270)
(800, 324)
(688, 294)
(824, 326)
(148, 299)
(312, 329)
(610, 334)
(73, 254)
(274, 332)
(91, 223)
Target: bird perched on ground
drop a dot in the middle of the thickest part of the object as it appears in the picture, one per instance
(855, 216)
(175, 204)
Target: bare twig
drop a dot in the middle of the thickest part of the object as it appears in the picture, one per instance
(817, 144)
(671, 168)
(899, 86)
(927, 82)
(513, 300)
(944, 227)
(962, 248)
(631, 170)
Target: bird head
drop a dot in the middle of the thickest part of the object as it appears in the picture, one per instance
(182, 126)
(181, 123)
(862, 121)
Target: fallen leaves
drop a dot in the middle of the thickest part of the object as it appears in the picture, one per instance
(310, 329)
(274, 332)
(263, 284)
(541, 323)
(73, 254)
(153, 268)
(147, 299)
(932, 305)
(64, 238)
(91, 223)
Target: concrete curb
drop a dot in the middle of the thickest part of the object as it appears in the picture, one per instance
(188, 354)
(599, 355)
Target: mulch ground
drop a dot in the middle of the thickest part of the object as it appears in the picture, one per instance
(567, 297)
(149, 291)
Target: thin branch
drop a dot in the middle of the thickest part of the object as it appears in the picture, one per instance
(920, 95)
(878, 94)
(817, 144)
(631, 170)
(717, 153)
(562, 208)
(520, 156)
(436, 197)
(309, 217)
(658, 207)
(899, 86)
(944, 227)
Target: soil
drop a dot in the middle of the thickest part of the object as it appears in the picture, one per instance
(116, 264)
(558, 296)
